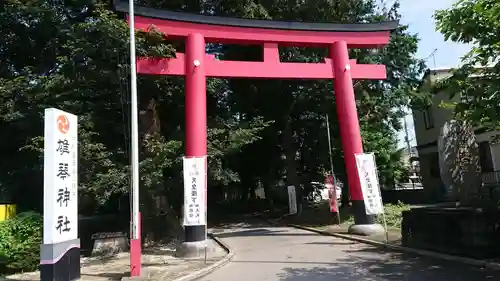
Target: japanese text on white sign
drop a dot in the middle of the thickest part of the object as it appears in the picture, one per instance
(194, 191)
(367, 171)
(60, 184)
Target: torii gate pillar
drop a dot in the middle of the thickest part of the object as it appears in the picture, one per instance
(196, 131)
(350, 135)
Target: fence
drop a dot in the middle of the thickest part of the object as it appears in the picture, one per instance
(491, 185)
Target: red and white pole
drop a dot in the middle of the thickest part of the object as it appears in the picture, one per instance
(135, 231)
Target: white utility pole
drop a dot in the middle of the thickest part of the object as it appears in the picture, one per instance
(134, 165)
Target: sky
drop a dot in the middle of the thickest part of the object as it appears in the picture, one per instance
(418, 14)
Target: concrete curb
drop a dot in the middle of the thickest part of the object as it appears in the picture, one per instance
(202, 272)
(467, 261)
(206, 270)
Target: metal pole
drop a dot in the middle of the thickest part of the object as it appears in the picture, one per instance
(134, 165)
(134, 123)
(407, 136)
(331, 166)
(329, 146)
(381, 202)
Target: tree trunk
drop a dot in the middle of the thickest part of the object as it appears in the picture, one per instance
(154, 205)
(267, 185)
(291, 166)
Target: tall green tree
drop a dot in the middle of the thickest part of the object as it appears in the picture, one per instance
(298, 108)
(477, 79)
(73, 55)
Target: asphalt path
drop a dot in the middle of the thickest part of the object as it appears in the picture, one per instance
(273, 253)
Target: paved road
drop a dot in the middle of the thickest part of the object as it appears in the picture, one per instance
(266, 253)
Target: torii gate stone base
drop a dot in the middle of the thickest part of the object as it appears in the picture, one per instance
(196, 66)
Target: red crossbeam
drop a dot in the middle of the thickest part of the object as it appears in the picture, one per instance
(251, 69)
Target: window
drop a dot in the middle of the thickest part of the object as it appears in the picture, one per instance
(433, 163)
(467, 99)
(428, 118)
(485, 157)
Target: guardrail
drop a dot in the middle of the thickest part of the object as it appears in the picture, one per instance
(491, 177)
(491, 185)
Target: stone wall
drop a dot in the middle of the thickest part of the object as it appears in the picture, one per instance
(468, 232)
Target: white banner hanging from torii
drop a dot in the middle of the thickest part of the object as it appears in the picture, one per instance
(367, 171)
(194, 191)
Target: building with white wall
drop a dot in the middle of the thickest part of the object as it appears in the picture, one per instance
(428, 123)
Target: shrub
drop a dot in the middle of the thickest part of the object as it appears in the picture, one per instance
(20, 239)
(394, 214)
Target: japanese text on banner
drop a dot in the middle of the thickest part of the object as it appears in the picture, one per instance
(367, 171)
(194, 191)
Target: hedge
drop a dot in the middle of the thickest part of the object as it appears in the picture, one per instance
(20, 239)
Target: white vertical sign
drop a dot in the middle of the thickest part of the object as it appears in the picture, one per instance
(367, 171)
(60, 177)
(292, 200)
(194, 191)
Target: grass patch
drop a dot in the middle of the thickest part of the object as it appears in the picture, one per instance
(319, 216)
(394, 214)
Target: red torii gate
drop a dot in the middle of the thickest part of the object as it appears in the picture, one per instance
(196, 65)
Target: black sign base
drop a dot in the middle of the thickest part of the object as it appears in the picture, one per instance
(60, 261)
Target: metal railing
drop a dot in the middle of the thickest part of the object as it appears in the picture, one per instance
(491, 177)
(491, 185)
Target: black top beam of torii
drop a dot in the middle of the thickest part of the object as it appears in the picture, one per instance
(122, 6)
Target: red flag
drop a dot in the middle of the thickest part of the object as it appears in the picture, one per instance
(332, 194)
(329, 180)
(333, 199)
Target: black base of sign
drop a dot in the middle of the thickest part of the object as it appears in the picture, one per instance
(60, 261)
(359, 211)
(364, 224)
(194, 233)
(194, 244)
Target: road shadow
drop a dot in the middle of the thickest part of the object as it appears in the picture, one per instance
(99, 260)
(109, 276)
(313, 215)
(239, 222)
(341, 242)
(262, 232)
(159, 251)
(374, 264)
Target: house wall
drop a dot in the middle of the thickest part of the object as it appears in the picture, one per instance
(495, 151)
(427, 133)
